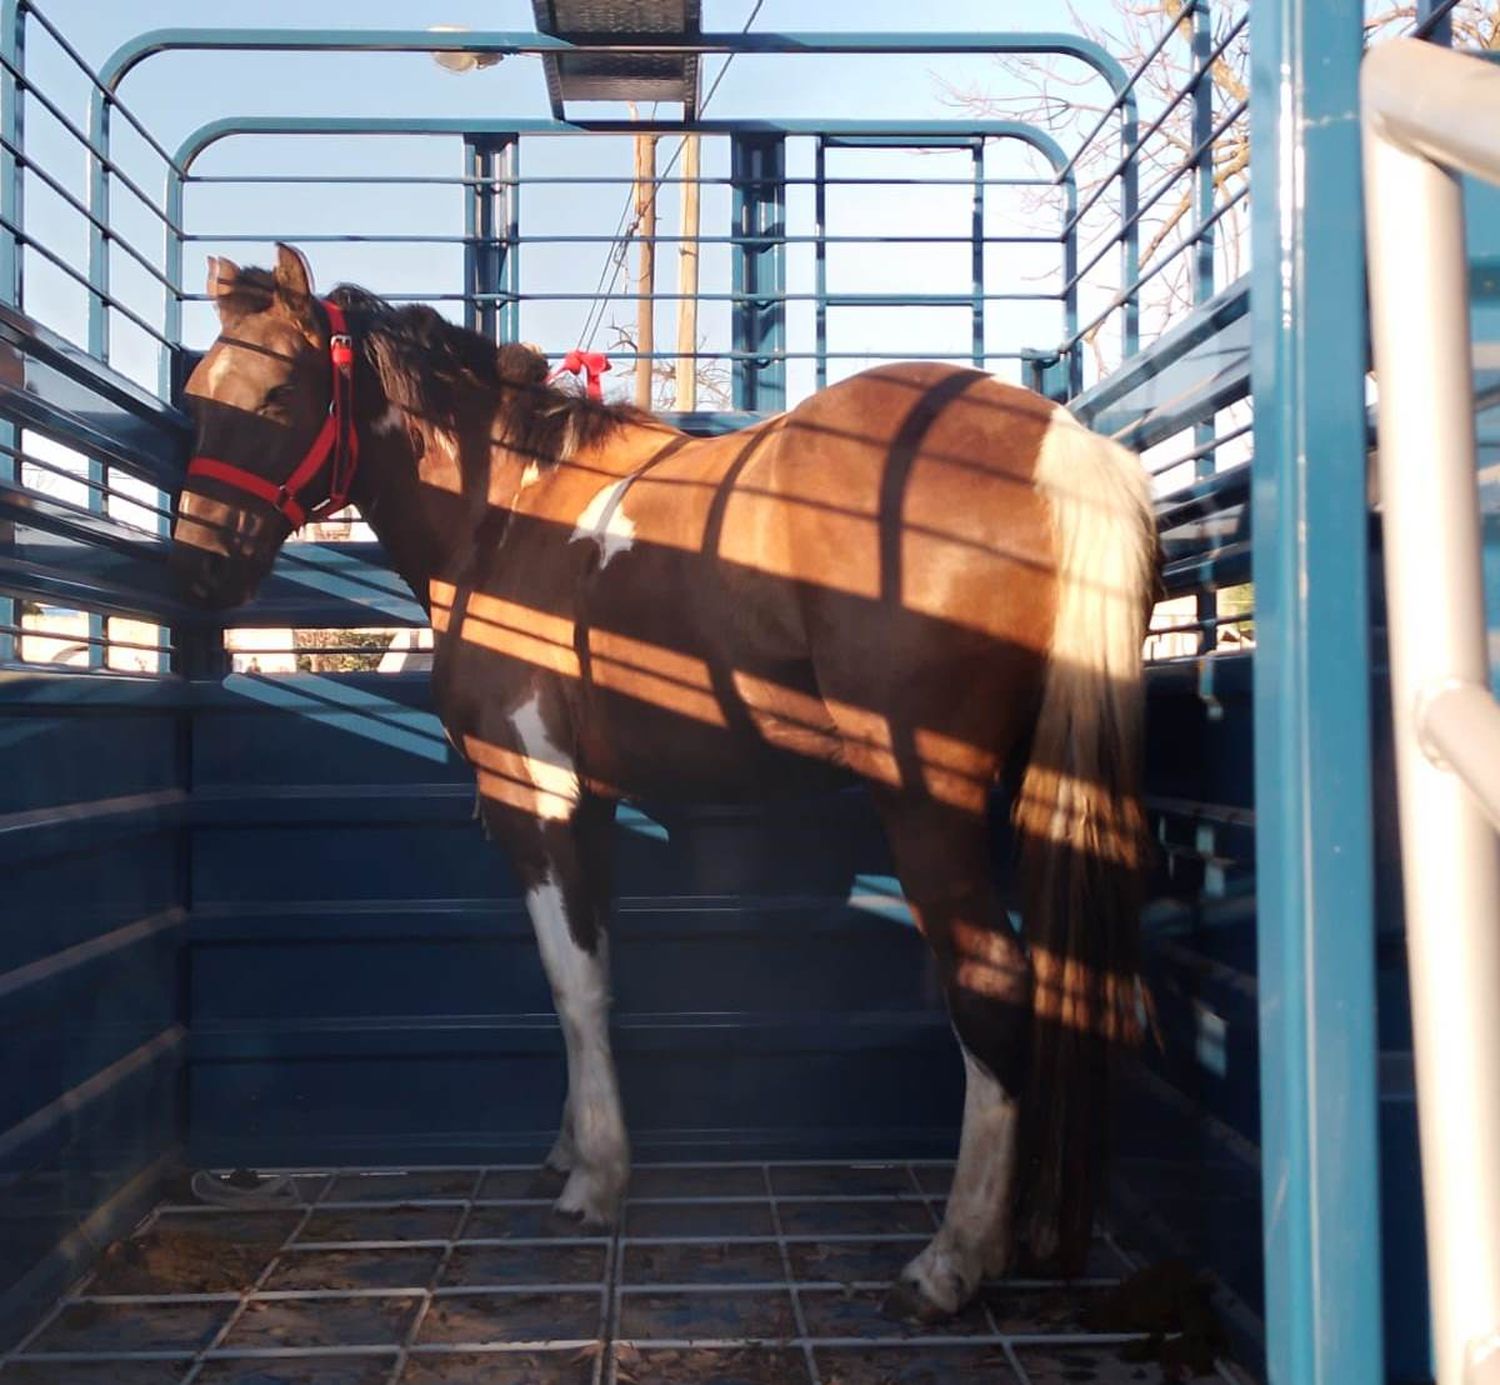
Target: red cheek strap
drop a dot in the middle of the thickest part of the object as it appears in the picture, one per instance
(337, 442)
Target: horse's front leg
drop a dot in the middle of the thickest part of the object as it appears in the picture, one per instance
(564, 868)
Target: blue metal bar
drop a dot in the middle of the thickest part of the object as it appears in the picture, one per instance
(1129, 237)
(490, 225)
(173, 294)
(1206, 456)
(977, 254)
(143, 46)
(593, 180)
(12, 211)
(820, 261)
(1316, 935)
(1133, 150)
(1435, 21)
(1132, 222)
(358, 238)
(843, 300)
(72, 128)
(99, 89)
(60, 263)
(215, 130)
(13, 128)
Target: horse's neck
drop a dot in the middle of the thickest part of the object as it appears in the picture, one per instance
(428, 531)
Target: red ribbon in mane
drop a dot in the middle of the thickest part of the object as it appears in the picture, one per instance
(590, 364)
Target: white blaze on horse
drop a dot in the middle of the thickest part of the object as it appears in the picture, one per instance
(917, 577)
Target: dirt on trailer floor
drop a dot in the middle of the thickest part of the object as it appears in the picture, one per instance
(736, 1274)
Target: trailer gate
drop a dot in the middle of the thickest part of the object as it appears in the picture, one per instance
(166, 1001)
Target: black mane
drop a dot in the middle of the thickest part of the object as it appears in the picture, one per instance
(453, 378)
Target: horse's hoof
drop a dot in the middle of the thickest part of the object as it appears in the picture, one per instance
(906, 1303)
(585, 1200)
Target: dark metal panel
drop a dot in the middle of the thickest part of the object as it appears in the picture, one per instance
(640, 77)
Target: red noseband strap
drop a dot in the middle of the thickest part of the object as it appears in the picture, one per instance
(336, 446)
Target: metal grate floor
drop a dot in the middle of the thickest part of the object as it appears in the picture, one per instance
(739, 1274)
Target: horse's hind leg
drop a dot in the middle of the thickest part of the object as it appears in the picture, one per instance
(564, 867)
(943, 856)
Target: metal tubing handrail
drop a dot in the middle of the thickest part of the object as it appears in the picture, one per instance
(211, 132)
(519, 44)
(1428, 113)
(600, 180)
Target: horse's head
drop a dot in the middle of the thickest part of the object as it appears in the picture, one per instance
(268, 449)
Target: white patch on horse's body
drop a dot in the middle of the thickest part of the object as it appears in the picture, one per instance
(223, 363)
(531, 475)
(605, 521)
(551, 768)
(974, 1238)
(593, 1138)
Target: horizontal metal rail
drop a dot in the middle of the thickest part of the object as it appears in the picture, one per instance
(94, 80)
(1428, 114)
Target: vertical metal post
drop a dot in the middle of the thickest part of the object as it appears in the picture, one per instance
(98, 315)
(171, 313)
(1203, 260)
(1316, 932)
(98, 204)
(820, 260)
(1419, 307)
(1074, 363)
(12, 186)
(1203, 172)
(758, 175)
(490, 229)
(1130, 244)
(977, 255)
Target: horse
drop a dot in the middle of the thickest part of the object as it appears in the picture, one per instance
(920, 578)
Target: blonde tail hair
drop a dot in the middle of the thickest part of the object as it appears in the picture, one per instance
(1081, 829)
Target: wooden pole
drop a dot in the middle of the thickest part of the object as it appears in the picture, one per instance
(687, 280)
(645, 215)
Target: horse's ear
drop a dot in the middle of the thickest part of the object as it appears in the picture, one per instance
(294, 284)
(223, 277)
(293, 273)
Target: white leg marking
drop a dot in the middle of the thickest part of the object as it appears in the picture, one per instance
(606, 522)
(974, 1238)
(580, 989)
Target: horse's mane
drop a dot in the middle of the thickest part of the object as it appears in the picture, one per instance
(449, 376)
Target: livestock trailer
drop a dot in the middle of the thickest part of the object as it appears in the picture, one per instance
(249, 922)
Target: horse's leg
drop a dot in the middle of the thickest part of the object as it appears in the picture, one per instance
(564, 1153)
(564, 867)
(943, 856)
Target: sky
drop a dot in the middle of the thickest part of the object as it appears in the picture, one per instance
(175, 93)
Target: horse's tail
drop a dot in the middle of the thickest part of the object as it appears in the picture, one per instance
(1081, 828)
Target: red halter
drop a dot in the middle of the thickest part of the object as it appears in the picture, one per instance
(336, 439)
